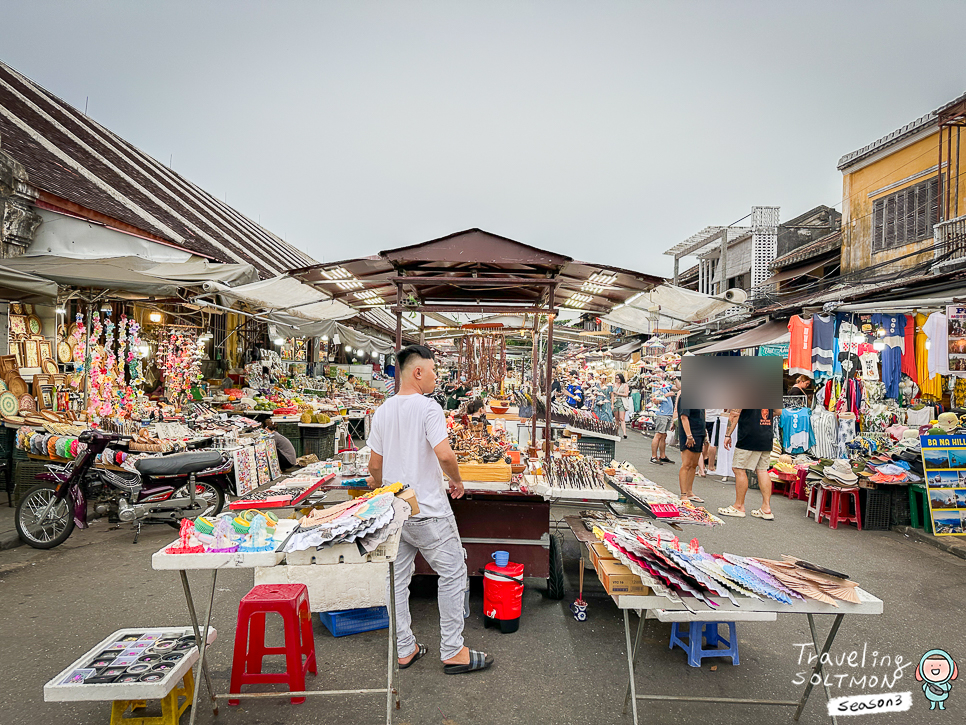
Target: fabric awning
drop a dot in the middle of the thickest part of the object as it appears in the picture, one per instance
(767, 334)
(284, 296)
(665, 306)
(624, 352)
(19, 286)
(119, 274)
(198, 271)
(793, 272)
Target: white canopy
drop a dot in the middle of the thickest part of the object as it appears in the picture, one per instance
(287, 297)
(665, 307)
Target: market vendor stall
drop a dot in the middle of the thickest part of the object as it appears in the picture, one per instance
(692, 586)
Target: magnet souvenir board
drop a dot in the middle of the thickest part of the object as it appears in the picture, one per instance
(18, 325)
(246, 479)
(944, 461)
(274, 468)
(261, 463)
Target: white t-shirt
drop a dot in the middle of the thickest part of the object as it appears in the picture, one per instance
(870, 365)
(405, 430)
(937, 332)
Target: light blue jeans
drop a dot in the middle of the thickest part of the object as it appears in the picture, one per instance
(438, 540)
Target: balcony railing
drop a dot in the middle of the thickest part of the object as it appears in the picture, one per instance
(950, 244)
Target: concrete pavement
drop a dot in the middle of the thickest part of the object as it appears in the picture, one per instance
(58, 603)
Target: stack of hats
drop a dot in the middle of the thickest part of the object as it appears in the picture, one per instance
(840, 474)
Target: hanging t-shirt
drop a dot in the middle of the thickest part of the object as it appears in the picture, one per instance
(824, 428)
(796, 424)
(799, 347)
(909, 349)
(923, 416)
(870, 366)
(937, 332)
(850, 339)
(823, 343)
(894, 326)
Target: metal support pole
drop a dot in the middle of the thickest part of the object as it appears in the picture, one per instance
(533, 385)
(422, 329)
(817, 670)
(723, 262)
(398, 331)
(194, 623)
(630, 663)
(202, 647)
(391, 692)
(549, 378)
(637, 643)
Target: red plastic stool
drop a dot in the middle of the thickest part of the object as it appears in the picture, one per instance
(779, 486)
(837, 509)
(796, 489)
(816, 500)
(291, 601)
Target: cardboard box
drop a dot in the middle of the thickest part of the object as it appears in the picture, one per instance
(618, 579)
(409, 496)
(597, 552)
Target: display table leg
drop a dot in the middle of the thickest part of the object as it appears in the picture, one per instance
(202, 649)
(817, 670)
(392, 693)
(637, 644)
(630, 663)
(194, 623)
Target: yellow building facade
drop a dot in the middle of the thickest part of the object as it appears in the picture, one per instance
(896, 189)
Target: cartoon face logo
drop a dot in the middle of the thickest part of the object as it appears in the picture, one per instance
(936, 672)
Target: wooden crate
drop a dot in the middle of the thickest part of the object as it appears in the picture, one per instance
(488, 472)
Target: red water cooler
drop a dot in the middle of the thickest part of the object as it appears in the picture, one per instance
(502, 596)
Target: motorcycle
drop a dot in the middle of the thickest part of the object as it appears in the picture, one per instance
(163, 490)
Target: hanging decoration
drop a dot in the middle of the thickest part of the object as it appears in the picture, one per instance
(179, 360)
(482, 359)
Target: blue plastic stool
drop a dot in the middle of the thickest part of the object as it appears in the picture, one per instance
(690, 641)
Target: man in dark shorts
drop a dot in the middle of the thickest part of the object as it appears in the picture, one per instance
(691, 436)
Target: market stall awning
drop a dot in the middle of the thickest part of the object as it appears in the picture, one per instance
(20, 286)
(196, 271)
(284, 296)
(787, 274)
(624, 352)
(768, 334)
(118, 274)
(665, 307)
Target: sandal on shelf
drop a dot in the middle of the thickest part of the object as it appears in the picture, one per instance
(420, 651)
(731, 511)
(759, 514)
(478, 661)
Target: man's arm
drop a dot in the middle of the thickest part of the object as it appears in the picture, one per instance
(447, 461)
(375, 470)
(732, 422)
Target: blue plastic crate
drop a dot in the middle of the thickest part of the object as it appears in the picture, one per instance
(354, 621)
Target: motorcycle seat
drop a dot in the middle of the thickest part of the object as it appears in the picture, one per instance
(178, 463)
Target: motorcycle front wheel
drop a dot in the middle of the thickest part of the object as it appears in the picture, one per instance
(207, 492)
(42, 521)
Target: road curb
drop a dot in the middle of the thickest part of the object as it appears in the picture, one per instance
(950, 544)
(9, 540)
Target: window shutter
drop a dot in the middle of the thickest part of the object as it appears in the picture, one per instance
(878, 223)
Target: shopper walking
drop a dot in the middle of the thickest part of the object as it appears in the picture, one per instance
(662, 423)
(410, 444)
(691, 436)
(710, 453)
(622, 404)
(752, 453)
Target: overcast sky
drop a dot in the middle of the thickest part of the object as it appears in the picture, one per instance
(608, 131)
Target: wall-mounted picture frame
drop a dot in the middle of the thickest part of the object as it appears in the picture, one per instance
(18, 325)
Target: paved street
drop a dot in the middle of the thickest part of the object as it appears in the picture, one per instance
(553, 670)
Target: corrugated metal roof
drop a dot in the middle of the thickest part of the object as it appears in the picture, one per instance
(807, 251)
(897, 135)
(73, 157)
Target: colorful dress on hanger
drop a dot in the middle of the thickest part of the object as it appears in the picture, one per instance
(823, 344)
(800, 346)
(909, 349)
(930, 386)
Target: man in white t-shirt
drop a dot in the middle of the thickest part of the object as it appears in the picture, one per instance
(410, 444)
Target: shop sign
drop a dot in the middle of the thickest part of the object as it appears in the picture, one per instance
(944, 461)
(779, 350)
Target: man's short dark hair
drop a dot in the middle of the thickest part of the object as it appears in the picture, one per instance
(474, 406)
(411, 353)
